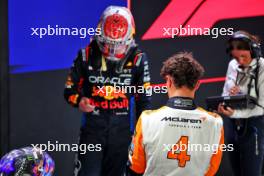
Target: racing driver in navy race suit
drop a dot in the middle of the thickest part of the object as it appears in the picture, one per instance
(110, 83)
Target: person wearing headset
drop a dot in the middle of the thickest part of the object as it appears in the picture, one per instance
(245, 75)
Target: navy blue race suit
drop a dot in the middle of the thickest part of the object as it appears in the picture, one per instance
(110, 125)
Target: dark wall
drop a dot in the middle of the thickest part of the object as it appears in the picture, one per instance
(39, 114)
(208, 51)
(4, 78)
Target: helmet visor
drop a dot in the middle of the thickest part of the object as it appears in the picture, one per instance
(113, 50)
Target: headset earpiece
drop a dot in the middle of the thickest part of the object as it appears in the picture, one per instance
(255, 48)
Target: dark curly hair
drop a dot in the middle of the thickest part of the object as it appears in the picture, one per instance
(184, 70)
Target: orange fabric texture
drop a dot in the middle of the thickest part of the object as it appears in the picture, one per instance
(73, 99)
(216, 158)
(137, 158)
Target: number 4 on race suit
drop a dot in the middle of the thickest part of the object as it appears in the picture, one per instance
(180, 153)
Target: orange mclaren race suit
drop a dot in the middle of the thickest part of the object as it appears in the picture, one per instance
(178, 139)
(110, 86)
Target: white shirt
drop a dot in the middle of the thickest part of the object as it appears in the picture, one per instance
(236, 75)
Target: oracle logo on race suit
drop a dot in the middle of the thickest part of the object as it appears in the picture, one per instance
(113, 80)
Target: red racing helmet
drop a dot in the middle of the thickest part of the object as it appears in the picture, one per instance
(117, 32)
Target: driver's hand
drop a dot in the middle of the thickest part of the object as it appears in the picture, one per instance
(85, 105)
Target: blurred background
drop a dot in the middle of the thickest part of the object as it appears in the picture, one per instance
(33, 69)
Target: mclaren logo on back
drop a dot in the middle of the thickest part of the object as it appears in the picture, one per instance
(180, 119)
